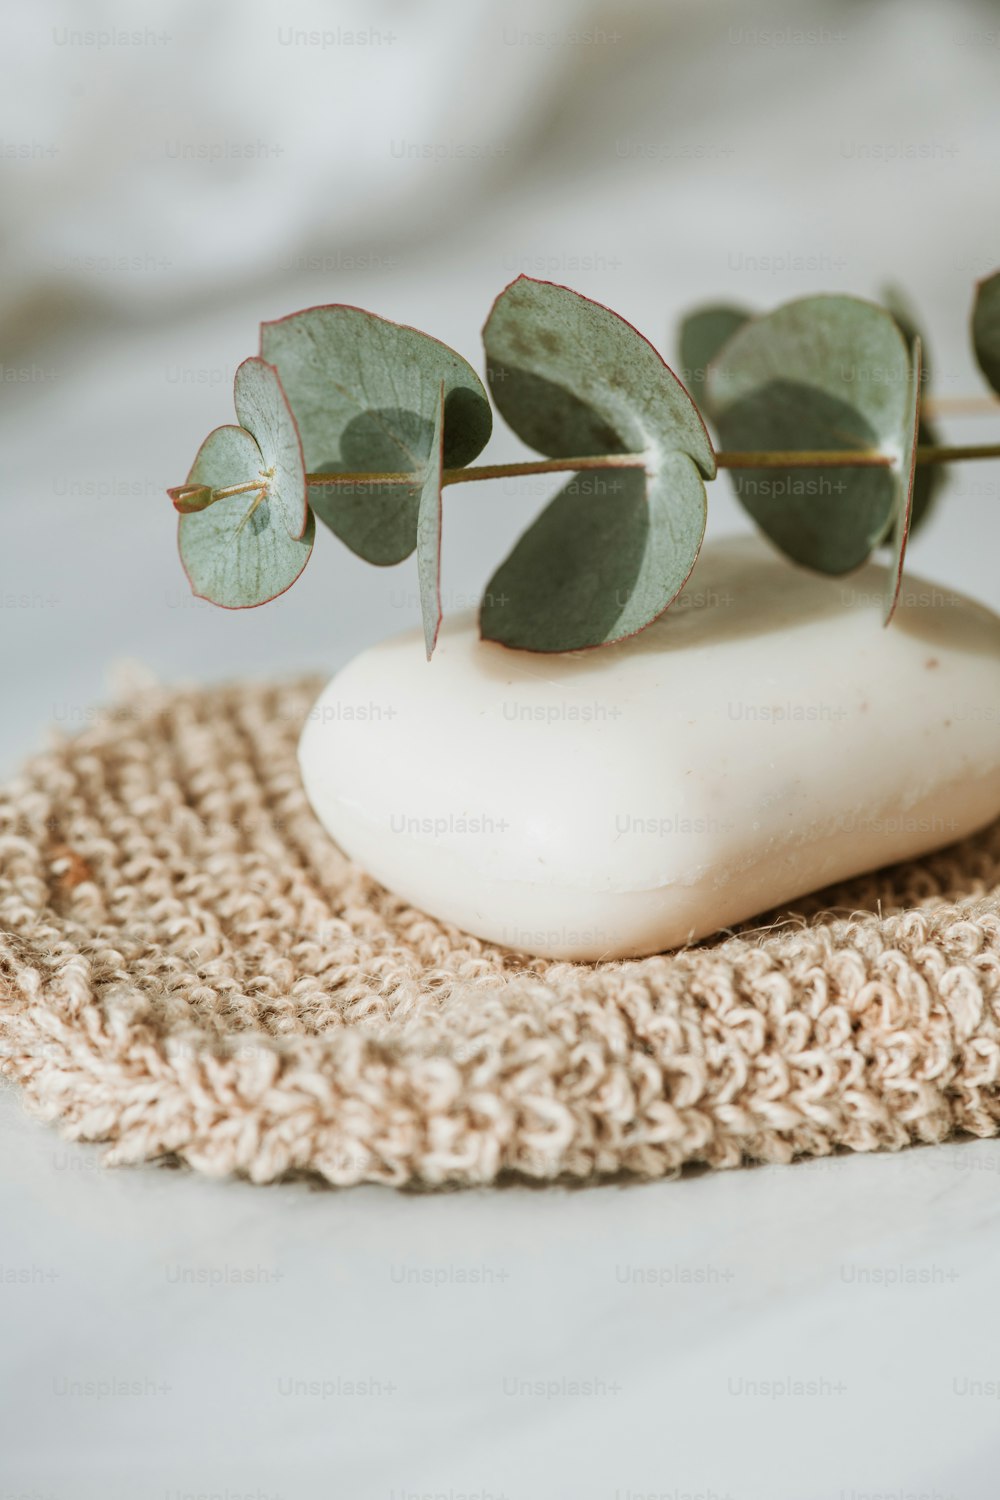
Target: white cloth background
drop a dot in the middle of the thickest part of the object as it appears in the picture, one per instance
(650, 155)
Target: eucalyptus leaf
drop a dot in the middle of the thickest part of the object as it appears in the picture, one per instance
(237, 552)
(702, 334)
(378, 522)
(365, 393)
(986, 328)
(572, 377)
(261, 407)
(615, 546)
(902, 518)
(826, 372)
(599, 563)
(930, 479)
(429, 535)
(226, 455)
(900, 305)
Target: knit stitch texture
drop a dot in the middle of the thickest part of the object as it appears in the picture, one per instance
(190, 968)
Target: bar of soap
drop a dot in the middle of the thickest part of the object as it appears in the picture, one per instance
(762, 739)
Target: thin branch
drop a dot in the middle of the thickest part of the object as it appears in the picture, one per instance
(941, 454)
(833, 458)
(836, 458)
(960, 406)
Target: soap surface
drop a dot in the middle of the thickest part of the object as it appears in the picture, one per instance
(762, 739)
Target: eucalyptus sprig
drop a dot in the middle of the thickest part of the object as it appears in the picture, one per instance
(821, 407)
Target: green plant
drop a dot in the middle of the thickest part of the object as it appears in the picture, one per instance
(820, 407)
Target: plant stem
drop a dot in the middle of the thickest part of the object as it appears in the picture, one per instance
(959, 406)
(836, 458)
(493, 471)
(546, 466)
(240, 489)
(833, 459)
(185, 491)
(945, 455)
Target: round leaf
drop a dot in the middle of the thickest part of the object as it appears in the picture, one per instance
(378, 522)
(262, 409)
(615, 547)
(901, 307)
(599, 563)
(703, 333)
(572, 377)
(823, 372)
(237, 552)
(902, 517)
(429, 536)
(365, 393)
(986, 328)
(930, 479)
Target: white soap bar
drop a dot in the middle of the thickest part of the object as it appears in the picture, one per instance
(764, 738)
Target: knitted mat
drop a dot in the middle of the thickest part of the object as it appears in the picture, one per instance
(190, 968)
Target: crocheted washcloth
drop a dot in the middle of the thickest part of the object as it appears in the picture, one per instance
(189, 967)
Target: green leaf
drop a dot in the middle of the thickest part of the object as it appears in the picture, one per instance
(365, 393)
(599, 564)
(900, 305)
(702, 334)
(930, 478)
(264, 414)
(986, 327)
(902, 513)
(826, 372)
(378, 522)
(261, 407)
(615, 547)
(429, 535)
(237, 552)
(572, 377)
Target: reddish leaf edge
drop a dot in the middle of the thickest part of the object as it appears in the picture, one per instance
(431, 637)
(235, 608)
(258, 359)
(907, 516)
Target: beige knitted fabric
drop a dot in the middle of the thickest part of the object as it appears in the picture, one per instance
(188, 966)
